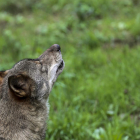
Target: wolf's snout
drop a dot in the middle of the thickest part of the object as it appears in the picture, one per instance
(56, 47)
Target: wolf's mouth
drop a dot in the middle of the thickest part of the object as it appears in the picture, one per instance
(60, 66)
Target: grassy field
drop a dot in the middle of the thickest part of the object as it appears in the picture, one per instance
(97, 97)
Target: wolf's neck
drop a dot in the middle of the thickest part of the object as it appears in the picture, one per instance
(22, 122)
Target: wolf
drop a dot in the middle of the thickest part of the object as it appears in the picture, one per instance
(24, 94)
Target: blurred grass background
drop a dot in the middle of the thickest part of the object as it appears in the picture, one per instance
(97, 97)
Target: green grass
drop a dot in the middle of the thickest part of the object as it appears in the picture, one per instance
(99, 94)
(97, 97)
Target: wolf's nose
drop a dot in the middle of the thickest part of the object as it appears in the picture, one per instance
(58, 47)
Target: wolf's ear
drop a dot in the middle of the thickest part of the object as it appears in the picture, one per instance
(2, 75)
(20, 85)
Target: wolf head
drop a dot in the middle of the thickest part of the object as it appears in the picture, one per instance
(33, 78)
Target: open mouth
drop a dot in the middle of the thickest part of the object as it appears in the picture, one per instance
(60, 66)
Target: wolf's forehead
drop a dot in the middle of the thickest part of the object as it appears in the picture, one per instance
(26, 62)
(23, 66)
(30, 68)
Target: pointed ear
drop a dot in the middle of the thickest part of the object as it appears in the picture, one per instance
(20, 85)
(2, 75)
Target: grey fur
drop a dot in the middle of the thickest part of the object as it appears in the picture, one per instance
(24, 92)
